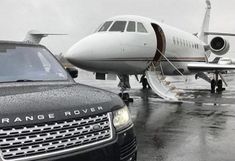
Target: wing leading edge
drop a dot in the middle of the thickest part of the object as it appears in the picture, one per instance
(203, 67)
(219, 33)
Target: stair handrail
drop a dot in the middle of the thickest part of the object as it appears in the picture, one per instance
(170, 63)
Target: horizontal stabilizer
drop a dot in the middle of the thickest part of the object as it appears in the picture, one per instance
(219, 33)
(35, 36)
(209, 67)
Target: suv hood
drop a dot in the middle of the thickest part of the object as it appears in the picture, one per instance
(30, 103)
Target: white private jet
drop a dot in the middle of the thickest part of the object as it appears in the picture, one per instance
(131, 45)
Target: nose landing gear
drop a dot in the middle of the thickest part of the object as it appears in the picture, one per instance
(124, 84)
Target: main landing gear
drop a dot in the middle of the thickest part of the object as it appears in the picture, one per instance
(124, 84)
(217, 83)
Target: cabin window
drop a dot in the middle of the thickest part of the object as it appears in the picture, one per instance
(105, 26)
(141, 28)
(131, 26)
(118, 26)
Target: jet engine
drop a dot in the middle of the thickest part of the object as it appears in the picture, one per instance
(219, 46)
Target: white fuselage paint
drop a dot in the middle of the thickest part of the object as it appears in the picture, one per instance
(133, 52)
(182, 53)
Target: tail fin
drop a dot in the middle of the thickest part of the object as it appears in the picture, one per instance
(34, 36)
(205, 25)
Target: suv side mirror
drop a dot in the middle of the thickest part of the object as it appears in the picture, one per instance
(72, 71)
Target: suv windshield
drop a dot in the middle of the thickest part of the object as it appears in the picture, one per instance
(29, 63)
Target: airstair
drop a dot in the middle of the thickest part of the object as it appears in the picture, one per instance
(163, 88)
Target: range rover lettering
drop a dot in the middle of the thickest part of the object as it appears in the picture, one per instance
(46, 115)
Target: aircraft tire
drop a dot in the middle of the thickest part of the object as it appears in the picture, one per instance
(213, 86)
(220, 86)
(126, 96)
(144, 83)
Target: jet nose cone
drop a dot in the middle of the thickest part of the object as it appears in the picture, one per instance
(78, 52)
(92, 52)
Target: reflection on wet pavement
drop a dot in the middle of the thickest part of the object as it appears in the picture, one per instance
(200, 129)
(191, 131)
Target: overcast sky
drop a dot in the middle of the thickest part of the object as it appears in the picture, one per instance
(79, 18)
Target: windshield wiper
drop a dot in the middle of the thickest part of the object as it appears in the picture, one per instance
(24, 80)
(29, 80)
(20, 80)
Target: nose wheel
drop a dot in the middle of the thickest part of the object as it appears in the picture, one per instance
(126, 97)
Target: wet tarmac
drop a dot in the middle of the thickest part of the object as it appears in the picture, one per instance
(202, 128)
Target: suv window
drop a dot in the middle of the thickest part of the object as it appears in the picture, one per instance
(23, 62)
(118, 26)
(131, 26)
(141, 28)
(105, 26)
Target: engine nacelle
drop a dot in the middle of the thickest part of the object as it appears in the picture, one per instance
(219, 46)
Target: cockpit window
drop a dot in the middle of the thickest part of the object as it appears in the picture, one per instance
(105, 26)
(141, 28)
(131, 26)
(118, 26)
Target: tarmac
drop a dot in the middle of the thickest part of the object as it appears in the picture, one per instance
(201, 128)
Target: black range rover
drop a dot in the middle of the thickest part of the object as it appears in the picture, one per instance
(45, 115)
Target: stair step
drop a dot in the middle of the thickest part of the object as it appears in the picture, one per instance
(177, 95)
(163, 78)
(160, 86)
(167, 82)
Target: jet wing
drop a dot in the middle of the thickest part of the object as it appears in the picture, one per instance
(219, 33)
(203, 67)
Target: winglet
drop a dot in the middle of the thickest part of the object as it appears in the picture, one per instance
(205, 24)
(34, 36)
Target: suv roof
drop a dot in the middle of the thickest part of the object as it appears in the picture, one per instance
(20, 43)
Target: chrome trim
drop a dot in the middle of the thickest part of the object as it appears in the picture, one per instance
(106, 134)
